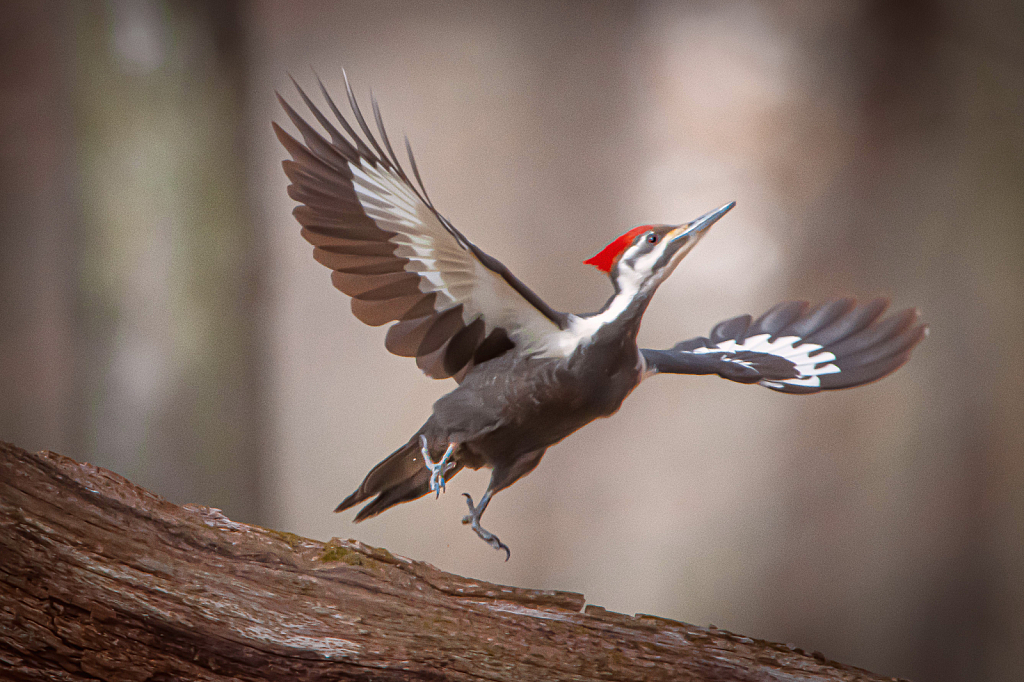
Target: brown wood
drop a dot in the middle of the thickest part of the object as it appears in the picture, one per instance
(102, 579)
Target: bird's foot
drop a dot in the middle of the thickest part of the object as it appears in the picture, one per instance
(437, 469)
(473, 519)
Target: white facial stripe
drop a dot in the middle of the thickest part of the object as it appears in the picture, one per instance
(630, 277)
(639, 273)
(644, 265)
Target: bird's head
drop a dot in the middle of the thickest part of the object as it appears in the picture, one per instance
(644, 257)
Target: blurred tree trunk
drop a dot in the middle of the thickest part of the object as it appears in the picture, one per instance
(38, 228)
(169, 261)
(128, 262)
(102, 579)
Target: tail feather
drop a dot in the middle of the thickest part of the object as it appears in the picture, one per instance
(399, 477)
(393, 469)
(403, 491)
(411, 488)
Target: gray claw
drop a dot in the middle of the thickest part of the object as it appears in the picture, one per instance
(437, 469)
(473, 519)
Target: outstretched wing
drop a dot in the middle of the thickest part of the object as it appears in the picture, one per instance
(396, 256)
(794, 349)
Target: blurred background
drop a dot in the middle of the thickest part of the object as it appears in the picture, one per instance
(161, 316)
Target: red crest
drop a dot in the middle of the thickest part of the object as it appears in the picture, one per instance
(609, 254)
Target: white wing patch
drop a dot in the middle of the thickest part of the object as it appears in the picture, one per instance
(804, 355)
(374, 186)
(445, 267)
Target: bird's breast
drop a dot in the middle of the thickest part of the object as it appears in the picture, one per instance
(595, 380)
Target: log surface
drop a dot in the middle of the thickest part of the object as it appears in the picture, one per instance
(101, 579)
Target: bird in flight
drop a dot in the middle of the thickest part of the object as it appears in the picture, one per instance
(528, 375)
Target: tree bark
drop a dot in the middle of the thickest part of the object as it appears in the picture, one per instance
(101, 579)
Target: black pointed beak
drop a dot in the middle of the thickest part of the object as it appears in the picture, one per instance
(698, 228)
(708, 219)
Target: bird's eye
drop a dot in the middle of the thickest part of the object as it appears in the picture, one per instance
(652, 238)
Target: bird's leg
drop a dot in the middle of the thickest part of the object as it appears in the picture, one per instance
(473, 518)
(437, 469)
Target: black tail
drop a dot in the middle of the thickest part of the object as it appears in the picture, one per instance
(400, 477)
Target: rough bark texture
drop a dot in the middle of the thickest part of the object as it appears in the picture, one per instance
(100, 579)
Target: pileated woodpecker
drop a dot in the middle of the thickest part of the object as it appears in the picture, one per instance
(528, 376)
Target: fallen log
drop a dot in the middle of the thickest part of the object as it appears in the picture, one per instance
(101, 579)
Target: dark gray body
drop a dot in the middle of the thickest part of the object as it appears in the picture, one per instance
(506, 412)
(513, 405)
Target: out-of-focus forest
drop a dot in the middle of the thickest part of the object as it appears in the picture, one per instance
(161, 316)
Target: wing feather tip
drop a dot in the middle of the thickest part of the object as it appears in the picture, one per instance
(314, 169)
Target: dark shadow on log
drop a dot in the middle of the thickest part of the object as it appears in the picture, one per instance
(100, 579)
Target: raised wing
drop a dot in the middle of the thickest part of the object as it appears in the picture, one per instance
(397, 257)
(794, 349)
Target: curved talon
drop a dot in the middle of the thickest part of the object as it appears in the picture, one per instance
(473, 518)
